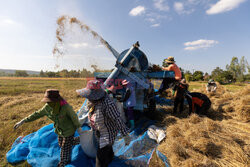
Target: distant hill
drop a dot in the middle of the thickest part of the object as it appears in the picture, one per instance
(10, 71)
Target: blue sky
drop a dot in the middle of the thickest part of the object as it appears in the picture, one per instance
(200, 34)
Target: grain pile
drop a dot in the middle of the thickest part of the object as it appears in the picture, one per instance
(220, 138)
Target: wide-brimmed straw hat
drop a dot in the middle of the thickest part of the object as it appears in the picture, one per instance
(170, 59)
(51, 95)
(93, 91)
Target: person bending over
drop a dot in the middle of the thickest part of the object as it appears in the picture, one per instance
(198, 102)
(65, 122)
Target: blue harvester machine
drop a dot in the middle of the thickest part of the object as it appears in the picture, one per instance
(134, 57)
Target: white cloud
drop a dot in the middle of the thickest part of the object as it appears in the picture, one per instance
(184, 8)
(137, 11)
(161, 5)
(179, 7)
(198, 44)
(150, 19)
(155, 25)
(224, 6)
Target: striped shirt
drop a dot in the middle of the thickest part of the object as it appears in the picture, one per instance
(107, 121)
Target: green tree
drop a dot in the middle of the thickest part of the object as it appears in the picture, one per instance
(74, 74)
(217, 74)
(222, 76)
(85, 73)
(198, 76)
(164, 64)
(3, 74)
(64, 73)
(206, 76)
(227, 76)
(238, 69)
(51, 74)
(21, 73)
(188, 76)
(234, 68)
(243, 67)
(42, 74)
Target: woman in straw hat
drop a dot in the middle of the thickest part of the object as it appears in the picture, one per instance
(171, 66)
(65, 122)
(105, 120)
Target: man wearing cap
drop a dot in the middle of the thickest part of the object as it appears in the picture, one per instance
(65, 122)
(105, 120)
(211, 86)
(171, 66)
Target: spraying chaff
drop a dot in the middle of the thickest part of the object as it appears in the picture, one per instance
(62, 21)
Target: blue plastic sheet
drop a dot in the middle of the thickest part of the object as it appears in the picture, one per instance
(41, 149)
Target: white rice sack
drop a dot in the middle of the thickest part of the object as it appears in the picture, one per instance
(88, 144)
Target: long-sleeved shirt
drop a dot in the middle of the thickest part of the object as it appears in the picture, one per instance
(107, 120)
(65, 121)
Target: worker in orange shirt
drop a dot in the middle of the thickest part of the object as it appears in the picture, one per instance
(198, 102)
(171, 66)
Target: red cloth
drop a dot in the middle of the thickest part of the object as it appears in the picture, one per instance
(196, 100)
(63, 102)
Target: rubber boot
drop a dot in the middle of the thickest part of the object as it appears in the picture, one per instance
(132, 124)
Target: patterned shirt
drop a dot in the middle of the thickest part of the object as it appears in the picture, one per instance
(107, 121)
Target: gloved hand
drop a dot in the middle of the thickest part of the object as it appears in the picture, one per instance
(17, 125)
(127, 140)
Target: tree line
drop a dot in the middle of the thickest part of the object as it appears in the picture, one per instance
(84, 73)
(237, 70)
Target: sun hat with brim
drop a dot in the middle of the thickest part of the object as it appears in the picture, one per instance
(51, 95)
(93, 91)
(170, 59)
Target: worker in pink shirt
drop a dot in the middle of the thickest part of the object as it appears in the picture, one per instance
(171, 66)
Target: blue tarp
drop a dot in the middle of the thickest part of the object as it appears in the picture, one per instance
(41, 149)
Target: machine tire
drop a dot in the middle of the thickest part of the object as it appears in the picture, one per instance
(150, 111)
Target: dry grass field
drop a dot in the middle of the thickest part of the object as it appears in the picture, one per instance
(20, 97)
(222, 138)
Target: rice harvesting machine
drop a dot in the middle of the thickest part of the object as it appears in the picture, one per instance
(144, 89)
